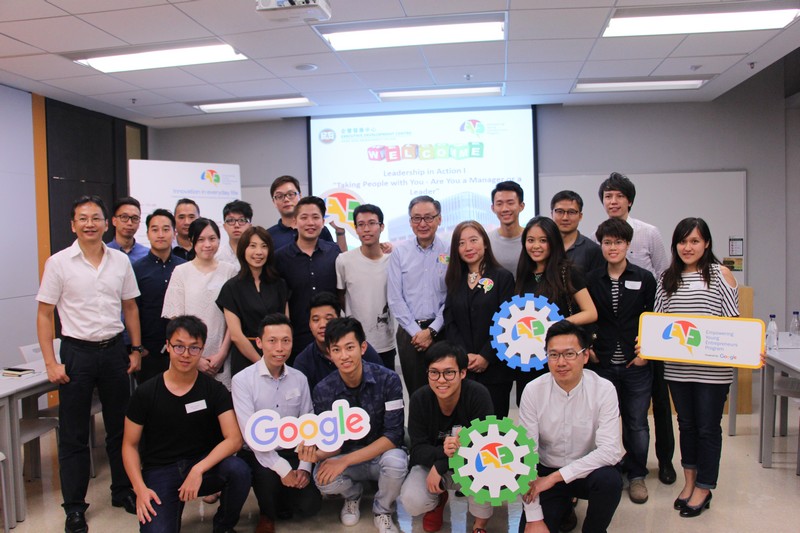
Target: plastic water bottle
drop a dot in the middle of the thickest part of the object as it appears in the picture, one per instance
(794, 330)
(772, 334)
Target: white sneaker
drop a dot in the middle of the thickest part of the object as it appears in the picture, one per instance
(350, 514)
(384, 523)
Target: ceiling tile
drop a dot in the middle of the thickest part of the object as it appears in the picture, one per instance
(229, 71)
(619, 69)
(557, 23)
(363, 96)
(416, 8)
(544, 71)
(28, 9)
(549, 50)
(12, 47)
(465, 54)
(395, 79)
(59, 34)
(227, 17)
(162, 23)
(157, 78)
(686, 66)
(384, 59)
(91, 85)
(249, 89)
(635, 47)
(476, 73)
(285, 66)
(276, 43)
(92, 6)
(544, 4)
(334, 82)
(133, 99)
(717, 44)
(517, 88)
(166, 110)
(197, 93)
(40, 67)
(349, 10)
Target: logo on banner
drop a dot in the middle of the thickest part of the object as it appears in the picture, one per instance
(472, 126)
(211, 176)
(327, 136)
(495, 462)
(518, 330)
(339, 207)
(266, 430)
(687, 334)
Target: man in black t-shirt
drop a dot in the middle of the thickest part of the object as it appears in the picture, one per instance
(188, 433)
(436, 412)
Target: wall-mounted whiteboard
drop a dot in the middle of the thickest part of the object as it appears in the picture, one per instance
(663, 200)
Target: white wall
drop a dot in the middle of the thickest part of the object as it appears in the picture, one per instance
(20, 281)
(792, 212)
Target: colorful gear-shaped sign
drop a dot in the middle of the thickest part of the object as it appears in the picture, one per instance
(495, 462)
(519, 328)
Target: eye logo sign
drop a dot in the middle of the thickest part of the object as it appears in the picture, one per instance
(494, 455)
(518, 329)
(528, 327)
(339, 206)
(266, 430)
(211, 176)
(687, 334)
(472, 126)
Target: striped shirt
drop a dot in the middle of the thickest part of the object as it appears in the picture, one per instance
(695, 297)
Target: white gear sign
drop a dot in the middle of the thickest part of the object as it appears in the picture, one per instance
(524, 351)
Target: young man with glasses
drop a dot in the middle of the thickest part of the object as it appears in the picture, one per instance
(416, 290)
(126, 220)
(236, 216)
(361, 277)
(435, 415)
(621, 292)
(91, 285)
(285, 193)
(566, 209)
(187, 429)
(577, 451)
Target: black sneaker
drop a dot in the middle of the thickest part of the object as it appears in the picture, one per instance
(76, 523)
(128, 502)
(666, 473)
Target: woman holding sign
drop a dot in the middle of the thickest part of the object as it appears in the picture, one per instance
(544, 270)
(695, 283)
(476, 286)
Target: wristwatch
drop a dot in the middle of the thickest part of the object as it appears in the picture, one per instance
(139, 349)
(433, 332)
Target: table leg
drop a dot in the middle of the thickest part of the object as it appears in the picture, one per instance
(768, 418)
(6, 448)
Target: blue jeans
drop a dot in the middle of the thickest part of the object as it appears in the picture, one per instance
(634, 388)
(699, 407)
(388, 469)
(231, 476)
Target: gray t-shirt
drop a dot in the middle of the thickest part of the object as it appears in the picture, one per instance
(506, 250)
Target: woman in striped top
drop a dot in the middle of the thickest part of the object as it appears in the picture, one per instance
(696, 283)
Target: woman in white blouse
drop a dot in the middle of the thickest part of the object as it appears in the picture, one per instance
(193, 290)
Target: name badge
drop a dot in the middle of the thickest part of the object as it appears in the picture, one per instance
(393, 405)
(633, 285)
(697, 285)
(199, 405)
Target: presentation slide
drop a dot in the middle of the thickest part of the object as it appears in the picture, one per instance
(454, 156)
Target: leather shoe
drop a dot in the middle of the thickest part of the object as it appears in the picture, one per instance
(569, 522)
(666, 473)
(690, 511)
(128, 502)
(679, 503)
(265, 525)
(76, 523)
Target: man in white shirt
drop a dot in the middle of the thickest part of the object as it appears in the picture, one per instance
(91, 285)
(281, 482)
(577, 452)
(361, 277)
(647, 251)
(237, 216)
(507, 204)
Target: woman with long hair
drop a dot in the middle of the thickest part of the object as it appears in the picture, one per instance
(255, 292)
(544, 270)
(476, 286)
(193, 290)
(696, 283)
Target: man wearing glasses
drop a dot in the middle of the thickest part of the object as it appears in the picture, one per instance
(90, 284)
(185, 423)
(237, 216)
(126, 219)
(416, 289)
(285, 193)
(577, 451)
(361, 277)
(566, 209)
(436, 413)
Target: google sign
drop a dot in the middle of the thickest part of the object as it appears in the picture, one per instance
(266, 430)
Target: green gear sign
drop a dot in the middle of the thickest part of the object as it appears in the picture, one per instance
(495, 462)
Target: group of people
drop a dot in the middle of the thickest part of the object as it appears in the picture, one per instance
(286, 319)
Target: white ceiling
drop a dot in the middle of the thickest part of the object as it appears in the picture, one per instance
(551, 43)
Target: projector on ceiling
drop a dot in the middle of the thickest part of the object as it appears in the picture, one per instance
(295, 10)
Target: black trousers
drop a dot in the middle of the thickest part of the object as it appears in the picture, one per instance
(662, 415)
(602, 488)
(88, 368)
(412, 362)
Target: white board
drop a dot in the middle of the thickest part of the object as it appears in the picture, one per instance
(665, 199)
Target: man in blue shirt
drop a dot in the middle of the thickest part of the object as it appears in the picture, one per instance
(126, 219)
(416, 290)
(308, 265)
(153, 273)
(378, 456)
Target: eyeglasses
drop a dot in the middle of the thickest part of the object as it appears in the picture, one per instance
(370, 224)
(568, 356)
(617, 243)
(237, 221)
(128, 218)
(93, 220)
(449, 375)
(290, 195)
(427, 218)
(569, 212)
(180, 349)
